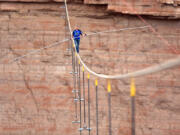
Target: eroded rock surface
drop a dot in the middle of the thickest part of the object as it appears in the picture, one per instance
(162, 8)
(36, 92)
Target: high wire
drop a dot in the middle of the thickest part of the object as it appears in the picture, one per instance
(156, 68)
(107, 31)
(152, 69)
(149, 70)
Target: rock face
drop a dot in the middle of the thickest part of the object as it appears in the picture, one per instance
(159, 8)
(164, 8)
(36, 91)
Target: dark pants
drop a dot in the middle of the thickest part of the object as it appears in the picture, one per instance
(77, 41)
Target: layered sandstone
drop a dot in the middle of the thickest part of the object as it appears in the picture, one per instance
(163, 8)
(36, 92)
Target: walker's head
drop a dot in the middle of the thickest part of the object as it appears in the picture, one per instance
(76, 27)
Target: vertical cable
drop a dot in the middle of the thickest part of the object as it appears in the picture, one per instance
(133, 93)
(79, 82)
(84, 99)
(74, 81)
(133, 115)
(109, 106)
(77, 76)
(77, 85)
(89, 116)
(75, 88)
(97, 126)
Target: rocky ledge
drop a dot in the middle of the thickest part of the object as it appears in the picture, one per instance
(160, 8)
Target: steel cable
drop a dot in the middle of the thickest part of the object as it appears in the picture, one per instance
(80, 99)
(89, 102)
(162, 66)
(84, 100)
(97, 117)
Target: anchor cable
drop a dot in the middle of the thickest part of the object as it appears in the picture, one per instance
(109, 106)
(97, 120)
(89, 102)
(84, 99)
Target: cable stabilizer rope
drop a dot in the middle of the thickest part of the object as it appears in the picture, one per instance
(89, 102)
(109, 106)
(132, 94)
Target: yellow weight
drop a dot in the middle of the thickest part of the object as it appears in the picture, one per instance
(133, 88)
(109, 86)
(96, 82)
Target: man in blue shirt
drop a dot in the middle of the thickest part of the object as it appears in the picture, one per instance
(76, 35)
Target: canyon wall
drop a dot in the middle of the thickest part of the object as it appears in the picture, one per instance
(36, 91)
(164, 8)
(159, 8)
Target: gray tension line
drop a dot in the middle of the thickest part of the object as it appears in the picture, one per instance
(85, 126)
(97, 126)
(79, 82)
(76, 91)
(109, 110)
(89, 116)
(35, 51)
(133, 132)
(75, 88)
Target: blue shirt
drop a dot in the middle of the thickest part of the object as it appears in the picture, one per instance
(77, 33)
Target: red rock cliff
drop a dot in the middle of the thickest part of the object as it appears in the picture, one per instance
(164, 8)
(36, 91)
